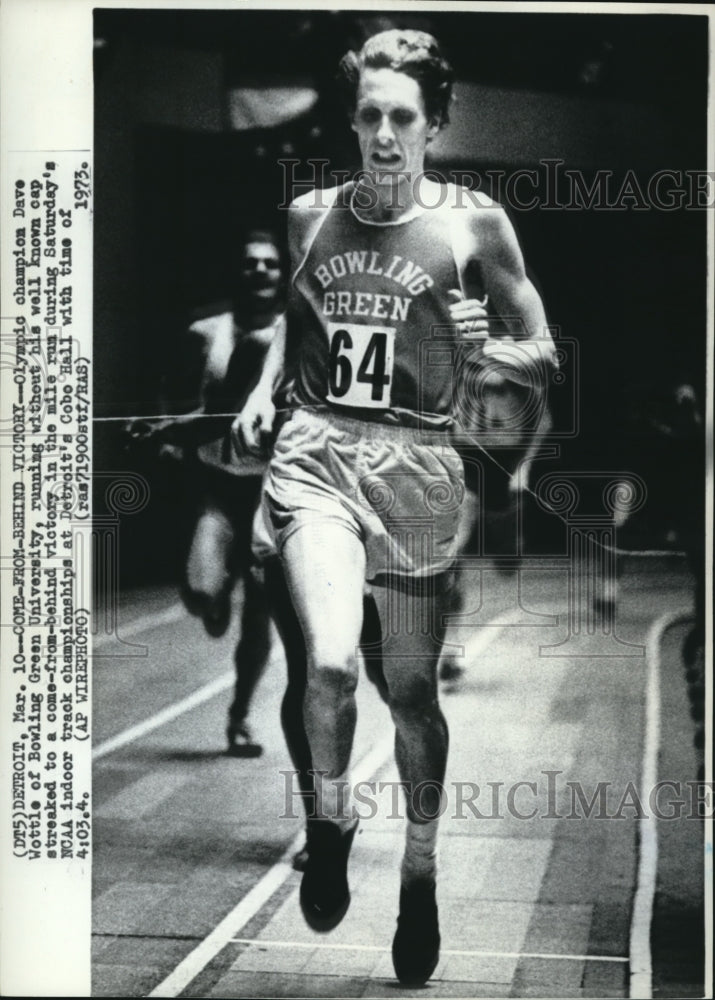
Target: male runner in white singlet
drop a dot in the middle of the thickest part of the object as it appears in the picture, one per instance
(214, 367)
(364, 483)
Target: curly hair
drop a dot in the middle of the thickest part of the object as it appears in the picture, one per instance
(415, 53)
(257, 235)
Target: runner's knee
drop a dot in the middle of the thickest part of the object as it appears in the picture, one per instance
(332, 677)
(413, 701)
(206, 592)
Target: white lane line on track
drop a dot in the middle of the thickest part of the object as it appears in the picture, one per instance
(168, 714)
(234, 922)
(641, 974)
(174, 613)
(479, 642)
(177, 611)
(313, 945)
(197, 960)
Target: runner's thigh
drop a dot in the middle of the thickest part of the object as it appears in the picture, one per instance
(324, 565)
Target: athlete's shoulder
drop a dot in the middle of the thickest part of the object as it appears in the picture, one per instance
(460, 197)
(212, 326)
(306, 214)
(318, 200)
(482, 217)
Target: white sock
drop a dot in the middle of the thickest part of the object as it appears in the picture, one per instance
(420, 858)
(335, 803)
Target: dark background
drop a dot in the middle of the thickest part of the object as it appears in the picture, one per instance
(174, 183)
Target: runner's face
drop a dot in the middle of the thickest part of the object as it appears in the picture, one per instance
(261, 272)
(391, 123)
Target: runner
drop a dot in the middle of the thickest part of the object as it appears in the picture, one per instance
(216, 365)
(364, 483)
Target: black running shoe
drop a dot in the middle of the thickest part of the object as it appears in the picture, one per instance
(450, 670)
(241, 742)
(300, 859)
(415, 948)
(324, 891)
(216, 615)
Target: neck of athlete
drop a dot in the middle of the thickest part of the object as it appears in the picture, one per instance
(251, 315)
(386, 198)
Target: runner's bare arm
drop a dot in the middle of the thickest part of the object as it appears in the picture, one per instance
(514, 297)
(254, 424)
(181, 400)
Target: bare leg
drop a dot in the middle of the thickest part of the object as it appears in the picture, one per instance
(371, 646)
(292, 704)
(209, 580)
(410, 657)
(250, 657)
(297, 669)
(452, 667)
(324, 566)
(412, 623)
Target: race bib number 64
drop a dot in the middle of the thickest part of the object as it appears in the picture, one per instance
(360, 366)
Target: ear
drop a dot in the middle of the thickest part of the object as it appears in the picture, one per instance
(433, 128)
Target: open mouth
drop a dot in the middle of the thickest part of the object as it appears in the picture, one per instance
(386, 161)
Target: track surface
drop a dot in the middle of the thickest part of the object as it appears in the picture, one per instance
(193, 892)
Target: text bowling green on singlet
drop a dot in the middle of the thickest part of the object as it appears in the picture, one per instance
(375, 298)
